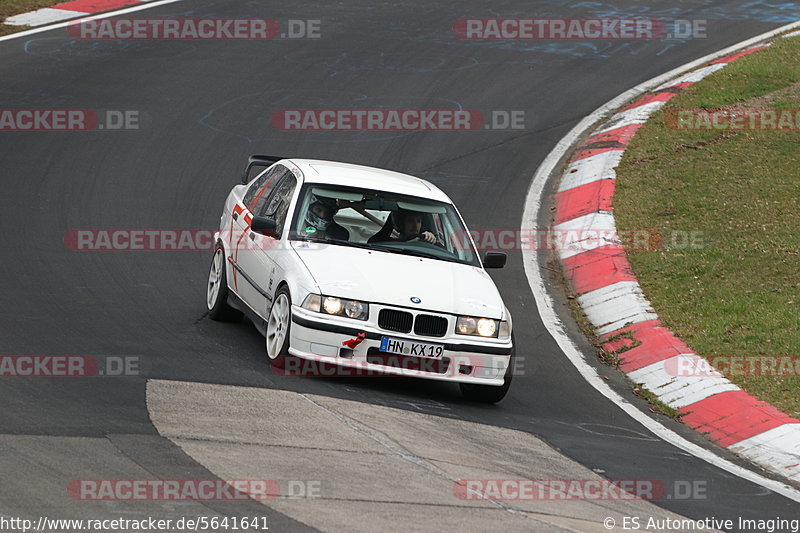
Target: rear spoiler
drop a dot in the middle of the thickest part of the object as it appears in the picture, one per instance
(259, 161)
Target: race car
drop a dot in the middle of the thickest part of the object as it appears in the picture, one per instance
(371, 271)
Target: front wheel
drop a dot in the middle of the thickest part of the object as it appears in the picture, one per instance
(278, 325)
(217, 291)
(489, 393)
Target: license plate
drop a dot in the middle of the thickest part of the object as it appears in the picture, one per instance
(415, 349)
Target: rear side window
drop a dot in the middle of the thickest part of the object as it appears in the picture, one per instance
(256, 197)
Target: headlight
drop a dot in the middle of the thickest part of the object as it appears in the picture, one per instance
(481, 327)
(466, 325)
(356, 310)
(332, 305)
(487, 327)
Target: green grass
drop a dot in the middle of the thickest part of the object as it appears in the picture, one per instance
(739, 292)
(15, 7)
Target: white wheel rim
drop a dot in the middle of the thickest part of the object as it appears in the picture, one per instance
(214, 278)
(277, 326)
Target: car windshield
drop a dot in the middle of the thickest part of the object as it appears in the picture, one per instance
(382, 221)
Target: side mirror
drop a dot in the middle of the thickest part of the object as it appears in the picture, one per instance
(258, 161)
(494, 260)
(265, 226)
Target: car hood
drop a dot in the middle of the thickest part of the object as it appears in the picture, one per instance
(393, 279)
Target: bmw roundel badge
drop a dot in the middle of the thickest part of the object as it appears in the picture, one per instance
(415, 299)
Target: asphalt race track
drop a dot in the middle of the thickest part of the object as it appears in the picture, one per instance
(206, 106)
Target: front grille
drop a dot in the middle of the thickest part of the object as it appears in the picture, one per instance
(394, 320)
(430, 325)
(408, 362)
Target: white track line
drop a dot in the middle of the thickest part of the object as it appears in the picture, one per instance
(545, 304)
(32, 31)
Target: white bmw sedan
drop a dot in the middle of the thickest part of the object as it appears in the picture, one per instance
(360, 269)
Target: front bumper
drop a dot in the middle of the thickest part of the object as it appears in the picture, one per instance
(318, 338)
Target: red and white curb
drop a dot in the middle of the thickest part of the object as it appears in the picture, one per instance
(68, 10)
(613, 301)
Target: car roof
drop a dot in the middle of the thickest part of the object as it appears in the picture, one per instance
(348, 174)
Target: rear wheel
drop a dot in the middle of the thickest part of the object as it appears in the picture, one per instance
(278, 325)
(489, 393)
(217, 291)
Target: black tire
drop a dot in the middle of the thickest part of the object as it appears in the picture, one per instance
(282, 299)
(489, 393)
(217, 303)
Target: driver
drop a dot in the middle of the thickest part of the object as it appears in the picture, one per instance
(410, 224)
